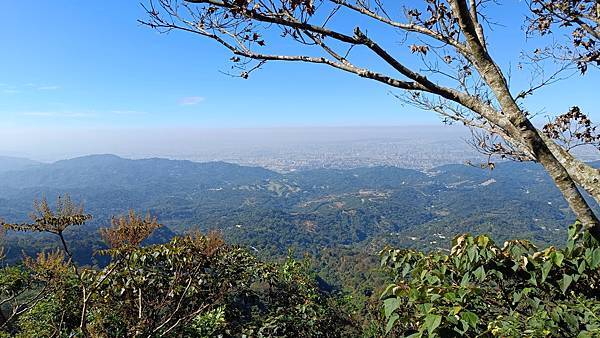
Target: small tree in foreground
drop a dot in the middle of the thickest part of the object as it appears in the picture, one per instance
(50, 274)
(457, 76)
(129, 231)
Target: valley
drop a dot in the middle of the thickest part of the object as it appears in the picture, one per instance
(308, 211)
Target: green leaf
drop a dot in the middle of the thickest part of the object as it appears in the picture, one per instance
(565, 282)
(470, 318)
(425, 307)
(465, 327)
(483, 240)
(406, 270)
(517, 297)
(532, 279)
(572, 230)
(434, 297)
(456, 309)
(471, 253)
(465, 280)
(570, 245)
(451, 296)
(557, 258)
(581, 267)
(431, 279)
(387, 291)
(390, 305)
(546, 270)
(432, 322)
(479, 273)
(391, 322)
(595, 261)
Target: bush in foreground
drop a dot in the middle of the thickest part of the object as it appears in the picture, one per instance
(193, 286)
(480, 289)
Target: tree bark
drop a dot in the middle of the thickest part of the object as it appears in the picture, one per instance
(564, 182)
(525, 130)
(584, 175)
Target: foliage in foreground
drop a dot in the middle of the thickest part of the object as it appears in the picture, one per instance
(480, 289)
(198, 286)
(193, 286)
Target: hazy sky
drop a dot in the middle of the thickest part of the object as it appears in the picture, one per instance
(210, 143)
(89, 64)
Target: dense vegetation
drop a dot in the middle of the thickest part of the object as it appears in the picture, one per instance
(358, 210)
(193, 286)
(198, 286)
(480, 289)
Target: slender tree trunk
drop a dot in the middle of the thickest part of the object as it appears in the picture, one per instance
(584, 175)
(563, 181)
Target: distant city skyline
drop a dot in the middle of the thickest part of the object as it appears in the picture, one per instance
(210, 143)
(280, 149)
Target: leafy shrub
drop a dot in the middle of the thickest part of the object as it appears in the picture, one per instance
(194, 286)
(480, 289)
(207, 324)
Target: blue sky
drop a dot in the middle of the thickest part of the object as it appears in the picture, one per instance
(89, 64)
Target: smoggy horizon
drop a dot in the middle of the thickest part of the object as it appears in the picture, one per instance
(47, 145)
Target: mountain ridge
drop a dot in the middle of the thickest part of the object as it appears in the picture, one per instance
(308, 210)
(97, 170)
(10, 163)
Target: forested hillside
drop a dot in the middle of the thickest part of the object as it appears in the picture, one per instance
(361, 208)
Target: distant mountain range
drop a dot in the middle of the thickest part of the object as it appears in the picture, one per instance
(16, 163)
(112, 171)
(309, 210)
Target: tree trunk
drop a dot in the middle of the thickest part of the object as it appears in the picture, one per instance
(523, 128)
(563, 181)
(584, 175)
